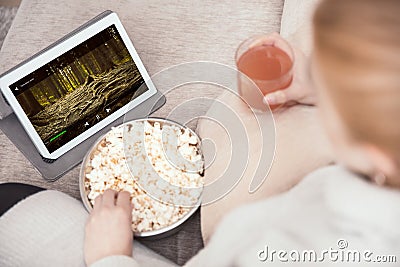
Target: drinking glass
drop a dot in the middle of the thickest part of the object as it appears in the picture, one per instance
(265, 64)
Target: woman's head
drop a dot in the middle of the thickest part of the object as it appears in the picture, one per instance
(357, 61)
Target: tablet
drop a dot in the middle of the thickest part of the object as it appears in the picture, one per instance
(77, 86)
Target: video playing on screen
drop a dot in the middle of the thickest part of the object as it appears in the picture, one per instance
(75, 91)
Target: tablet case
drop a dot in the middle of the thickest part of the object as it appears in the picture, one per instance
(52, 170)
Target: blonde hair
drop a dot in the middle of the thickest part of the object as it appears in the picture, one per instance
(357, 43)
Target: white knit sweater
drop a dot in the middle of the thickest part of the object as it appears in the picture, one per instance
(331, 209)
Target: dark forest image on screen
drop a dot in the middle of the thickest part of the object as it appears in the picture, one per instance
(78, 89)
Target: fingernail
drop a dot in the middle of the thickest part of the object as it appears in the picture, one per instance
(269, 99)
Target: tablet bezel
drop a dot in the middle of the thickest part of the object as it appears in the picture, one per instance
(52, 53)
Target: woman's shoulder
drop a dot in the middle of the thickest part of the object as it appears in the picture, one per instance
(332, 174)
(346, 188)
(328, 191)
(331, 192)
(330, 204)
(345, 194)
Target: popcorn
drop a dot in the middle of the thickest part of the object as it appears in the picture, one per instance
(159, 164)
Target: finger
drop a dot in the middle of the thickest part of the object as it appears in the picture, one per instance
(97, 202)
(109, 198)
(276, 98)
(124, 200)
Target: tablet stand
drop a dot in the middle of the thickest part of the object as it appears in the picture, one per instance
(52, 170)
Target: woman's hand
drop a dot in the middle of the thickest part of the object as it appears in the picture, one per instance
(300, 90)
(108, 229)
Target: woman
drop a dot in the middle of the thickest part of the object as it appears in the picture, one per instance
(355, 70)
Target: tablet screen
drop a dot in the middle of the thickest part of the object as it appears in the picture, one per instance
(73, 92)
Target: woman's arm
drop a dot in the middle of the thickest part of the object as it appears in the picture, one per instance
(109, 237)
(108, 230)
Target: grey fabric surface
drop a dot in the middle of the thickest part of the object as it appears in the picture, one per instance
(7, 15)
(182, 245)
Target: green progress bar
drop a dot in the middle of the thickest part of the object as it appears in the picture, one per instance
(58, 135)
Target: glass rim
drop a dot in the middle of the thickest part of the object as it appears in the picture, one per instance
(254, 37)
